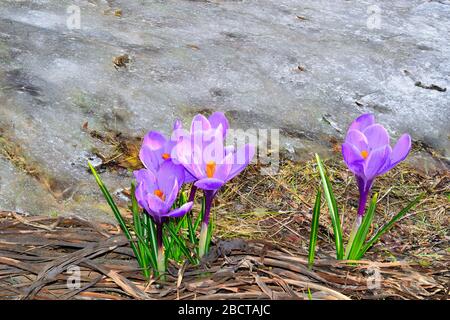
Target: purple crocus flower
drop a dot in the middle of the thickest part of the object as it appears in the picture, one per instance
(199, 123)
(156, 193)
(203, 154)
(157, 149)
(368, 154)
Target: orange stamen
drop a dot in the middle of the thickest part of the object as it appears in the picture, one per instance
(210, 169)
(159, 194)
(165, 156)
(364, 154)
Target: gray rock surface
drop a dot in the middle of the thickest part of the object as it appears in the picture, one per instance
(241, 57)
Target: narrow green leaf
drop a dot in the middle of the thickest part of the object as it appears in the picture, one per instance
(310, 297)
(332, 207)
(180, 243)
(210, 232)
(363, 230)
(151, 239)
(388, 225)
(139, 231)
(148, 253)
(115, 211)
(200, 216)
(192, 237)
(314, 229)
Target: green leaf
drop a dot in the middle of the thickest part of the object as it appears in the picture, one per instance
(151, 239)
(314, 229)
(180, 243)
(200, 216)
(332, 207)
(363, 230)
(388, 225)
(148, 253)
(137, 222)
(210, 232)
(191, 229)
(116, 212)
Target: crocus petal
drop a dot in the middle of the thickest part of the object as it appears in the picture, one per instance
(151, 158)
(156, 205)
(375, 162)
(353, 159)
(147, 178)
(213, 146)
(195, 164)
(242, 157)
(144, 175)
(229, 149)
(362, 122)
(168, 147)
(209, 184)
(200, 123)
(401, 149)
(177, 125)
(141, 195)
(218, 118)
(172, 195)
(188, 177)
(181, 211)
(154, 140)
(387, 165)
(377, 136)
(190, 156)
(357, 139)
(223, 169)
(167, 174)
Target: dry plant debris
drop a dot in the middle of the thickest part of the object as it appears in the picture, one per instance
(38, 256)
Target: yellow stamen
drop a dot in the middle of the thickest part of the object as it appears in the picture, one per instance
(165, 156)
(364, 154)
(159, 194)
(210, 169)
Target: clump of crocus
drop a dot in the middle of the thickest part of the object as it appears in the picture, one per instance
(204, 155)
(156, 193)
(197, 156)
(368, 154)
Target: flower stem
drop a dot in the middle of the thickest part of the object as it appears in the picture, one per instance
(209, 195)
(364, 191)
(192, 193)
(161, 258)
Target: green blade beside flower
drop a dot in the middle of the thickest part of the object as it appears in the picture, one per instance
(116, 212)
(332, 207)
(139, 231)
(388, 226)
(314, 229)
(363, 230)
